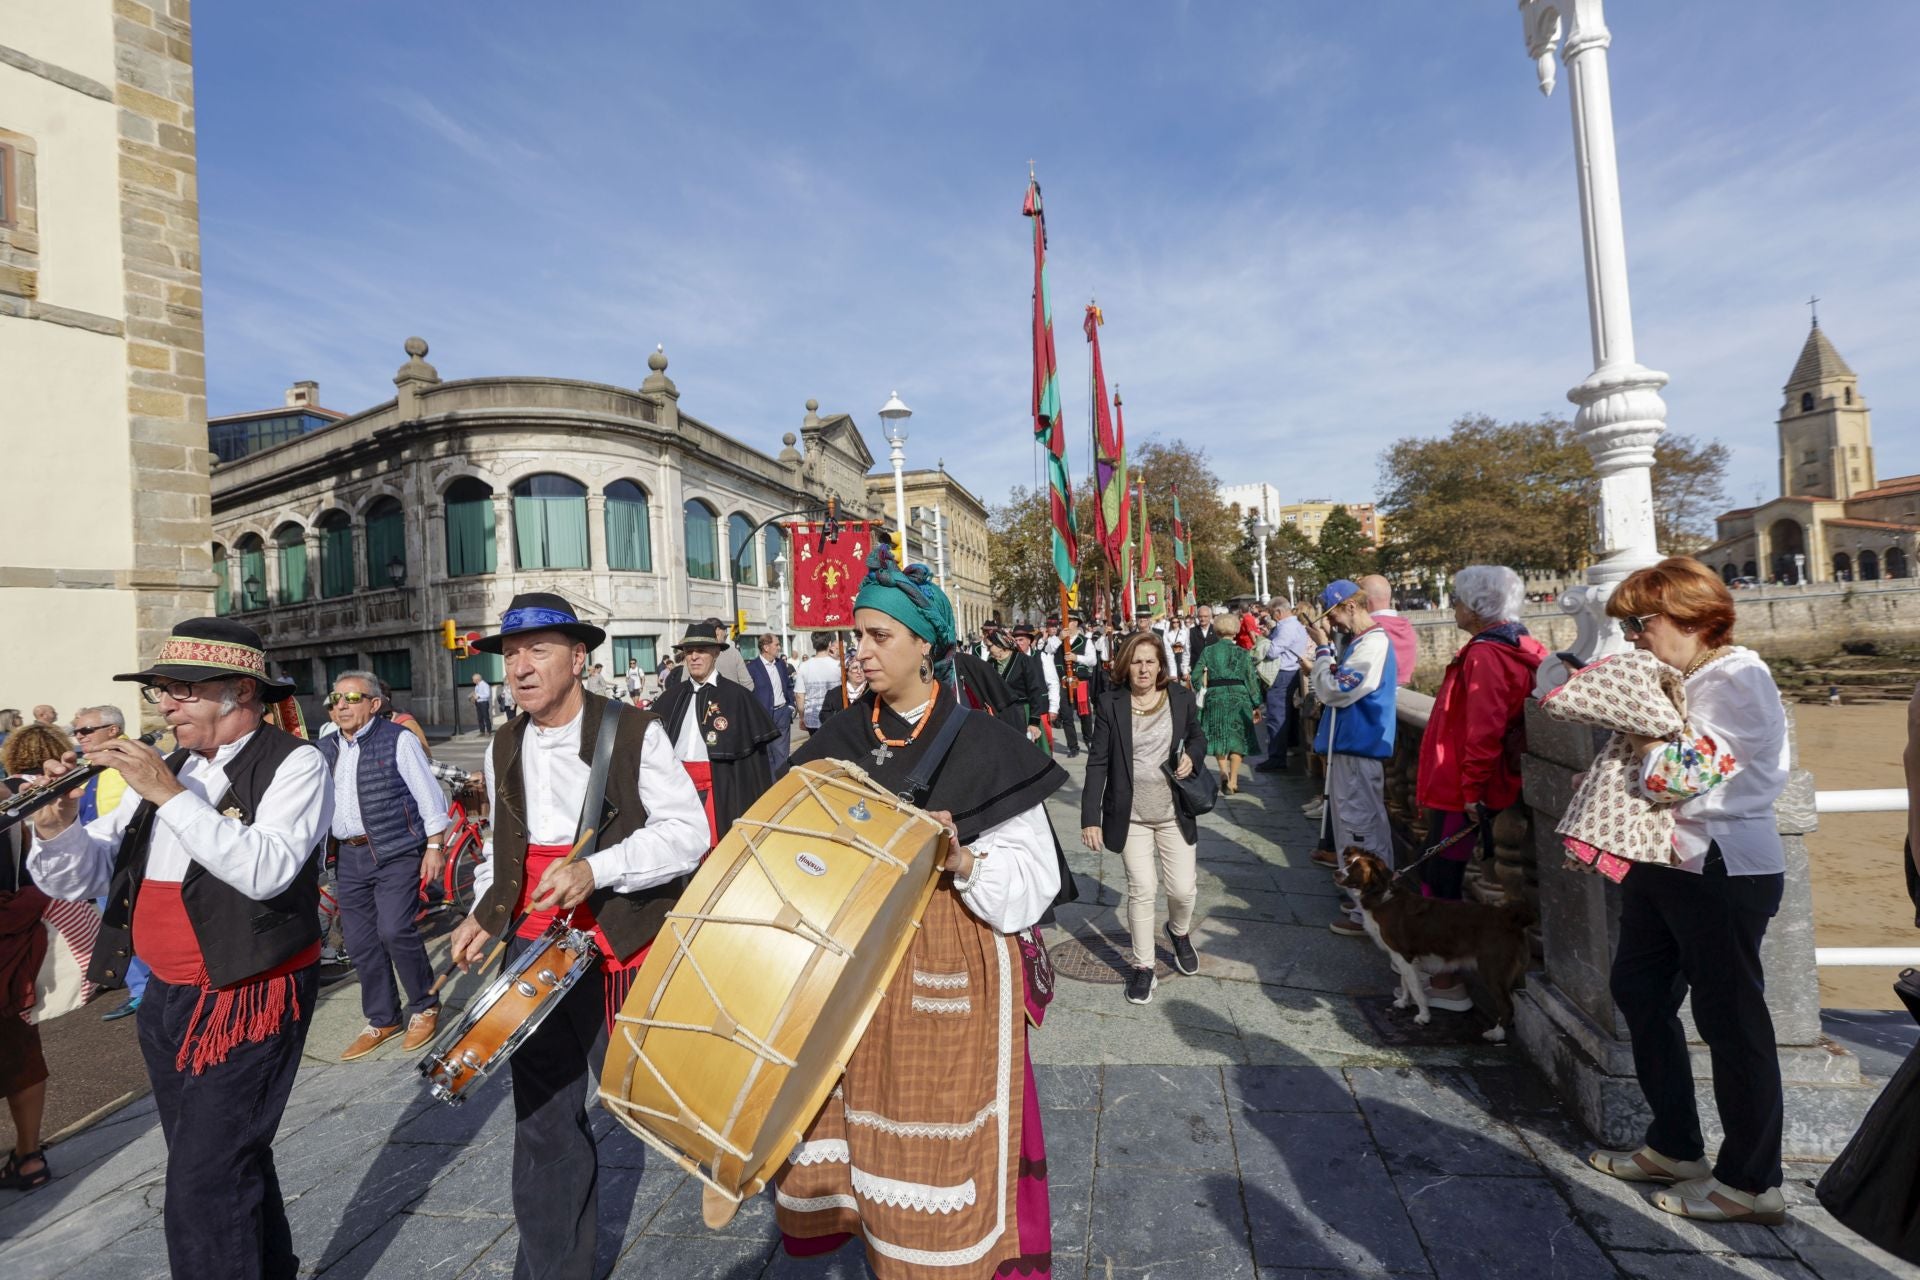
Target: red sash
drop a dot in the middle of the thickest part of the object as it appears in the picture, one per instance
(701, 772)
(539, 858)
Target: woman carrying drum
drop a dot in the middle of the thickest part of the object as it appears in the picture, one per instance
(931, 1148)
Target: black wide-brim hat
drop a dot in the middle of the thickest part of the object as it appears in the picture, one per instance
(211, 649)
(703, 635)
(541, 611)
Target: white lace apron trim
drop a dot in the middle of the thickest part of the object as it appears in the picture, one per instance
(942, 1004)
(912, 1195)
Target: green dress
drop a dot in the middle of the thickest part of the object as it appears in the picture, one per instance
(1226, 671)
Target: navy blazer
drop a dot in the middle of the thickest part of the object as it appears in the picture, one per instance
(763, 687)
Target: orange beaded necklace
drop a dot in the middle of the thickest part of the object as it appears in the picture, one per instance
(884, 752)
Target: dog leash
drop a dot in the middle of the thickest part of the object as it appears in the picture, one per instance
(1442, 847)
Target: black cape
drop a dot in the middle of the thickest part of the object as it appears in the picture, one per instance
(984, 690)
(990, 774)
(737, 731)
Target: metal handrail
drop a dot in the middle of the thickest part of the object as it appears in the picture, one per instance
(1868, 800)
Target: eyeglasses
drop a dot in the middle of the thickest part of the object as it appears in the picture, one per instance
(82, 730)
(178, 690)
(1636, 624)
(334, 699)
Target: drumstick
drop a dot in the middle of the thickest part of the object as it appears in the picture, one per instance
(586, 838)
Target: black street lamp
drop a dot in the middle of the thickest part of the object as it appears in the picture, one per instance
(396, 572)
(256, 591)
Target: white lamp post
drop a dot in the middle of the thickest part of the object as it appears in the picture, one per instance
(940, 546)
(780, 572)
(1799, 568)
(1261, 531)
(1293, 598)
(893, 415)
(1621, 413)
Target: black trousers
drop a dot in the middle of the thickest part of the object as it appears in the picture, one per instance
(556, 1169)
(1679, 932)
(378, 901)
(1070, 719)
(224, 1217)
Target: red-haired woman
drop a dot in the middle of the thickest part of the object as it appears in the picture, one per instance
(1698, 926)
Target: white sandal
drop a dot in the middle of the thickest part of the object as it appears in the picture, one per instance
(1708, 1200)
(1631, 1166)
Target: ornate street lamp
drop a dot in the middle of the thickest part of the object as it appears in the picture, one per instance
(893, 415)
(256, 591)
(396, 573)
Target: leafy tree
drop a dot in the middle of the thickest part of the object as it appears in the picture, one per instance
(1020, 552)
(1689, 490)
(1344, 551)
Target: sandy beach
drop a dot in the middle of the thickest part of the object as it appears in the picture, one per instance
(1859, 893)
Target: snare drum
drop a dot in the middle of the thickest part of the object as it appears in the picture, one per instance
(765, 974)
(509, 1010)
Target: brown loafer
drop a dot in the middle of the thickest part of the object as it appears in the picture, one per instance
(421, 1028)
(1325, 858)
(367, 1041)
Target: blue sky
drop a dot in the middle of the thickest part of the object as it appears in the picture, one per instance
(1314, 228)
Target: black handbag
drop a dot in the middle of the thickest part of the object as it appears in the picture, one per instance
(1196, 793)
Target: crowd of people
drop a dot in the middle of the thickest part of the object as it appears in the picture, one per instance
(206, 858)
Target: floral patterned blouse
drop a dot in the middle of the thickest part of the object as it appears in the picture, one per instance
(1724, 778)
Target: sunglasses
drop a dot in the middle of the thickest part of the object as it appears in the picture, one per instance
(82, 730)
(335, 699)
(1636, 624)
(177, 690)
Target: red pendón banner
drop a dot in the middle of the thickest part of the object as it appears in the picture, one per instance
(827, 573)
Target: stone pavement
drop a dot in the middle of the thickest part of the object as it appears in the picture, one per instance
(1267, 1119)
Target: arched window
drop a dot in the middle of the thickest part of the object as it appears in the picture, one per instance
(703, 540)
(291, 542)
(1728, 573)
(550, 523)
(1806, 402)
(222, 582)
(1896, 563)
(1842, 567)
(253, 572)
(386, 545)
(1869, 567)
(1749, 570)
(775, 547)
(1849, 395)
(629, 535)
(740, 549)
(336, 555)
(470, 545)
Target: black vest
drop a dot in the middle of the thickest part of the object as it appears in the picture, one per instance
(239, 936)
(630, 920)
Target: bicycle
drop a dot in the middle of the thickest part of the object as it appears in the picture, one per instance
(464, 843)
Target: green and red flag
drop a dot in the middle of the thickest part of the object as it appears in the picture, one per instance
(1111, 510)
(1047, 426)
(1182, 557)
(1146, 558)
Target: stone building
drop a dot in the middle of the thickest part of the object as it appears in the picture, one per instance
(933, 495)
(1311, 515)
(102, 377)
(1835, 520)
(347, 545)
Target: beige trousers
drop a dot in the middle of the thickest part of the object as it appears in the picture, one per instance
(1151, 847)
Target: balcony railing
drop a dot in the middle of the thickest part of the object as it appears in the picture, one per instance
(1871, 800)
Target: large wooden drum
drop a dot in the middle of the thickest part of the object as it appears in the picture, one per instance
(765, 974)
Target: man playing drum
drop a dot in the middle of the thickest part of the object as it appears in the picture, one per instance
(651, 830)
(931, 1148)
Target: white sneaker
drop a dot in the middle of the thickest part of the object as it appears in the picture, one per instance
(1452, 999)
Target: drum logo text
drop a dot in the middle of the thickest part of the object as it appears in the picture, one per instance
(810, 863)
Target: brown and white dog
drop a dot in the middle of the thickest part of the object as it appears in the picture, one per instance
(1432, 935)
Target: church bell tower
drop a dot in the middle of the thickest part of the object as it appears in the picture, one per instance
(1826, 433)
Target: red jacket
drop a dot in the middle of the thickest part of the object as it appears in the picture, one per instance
(1469, 752)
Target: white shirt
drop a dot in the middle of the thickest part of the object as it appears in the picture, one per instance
(773, 677)
(482, 691)
(411, 759)
(554, 778)
(1053, 680)
(817, 674)
(1015, 872)
(636, 680)
(689, 739)
(1734, 701)
(259, 860)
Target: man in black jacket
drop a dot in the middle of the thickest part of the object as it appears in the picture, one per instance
(1200, 635)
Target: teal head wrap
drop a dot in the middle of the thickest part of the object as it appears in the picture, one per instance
(908, 596)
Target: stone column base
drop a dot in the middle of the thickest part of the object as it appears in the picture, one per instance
(1592, 1071)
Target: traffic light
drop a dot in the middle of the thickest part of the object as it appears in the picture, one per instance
(449, 639)
(463, 645)
(739, 623)
(899, 539)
